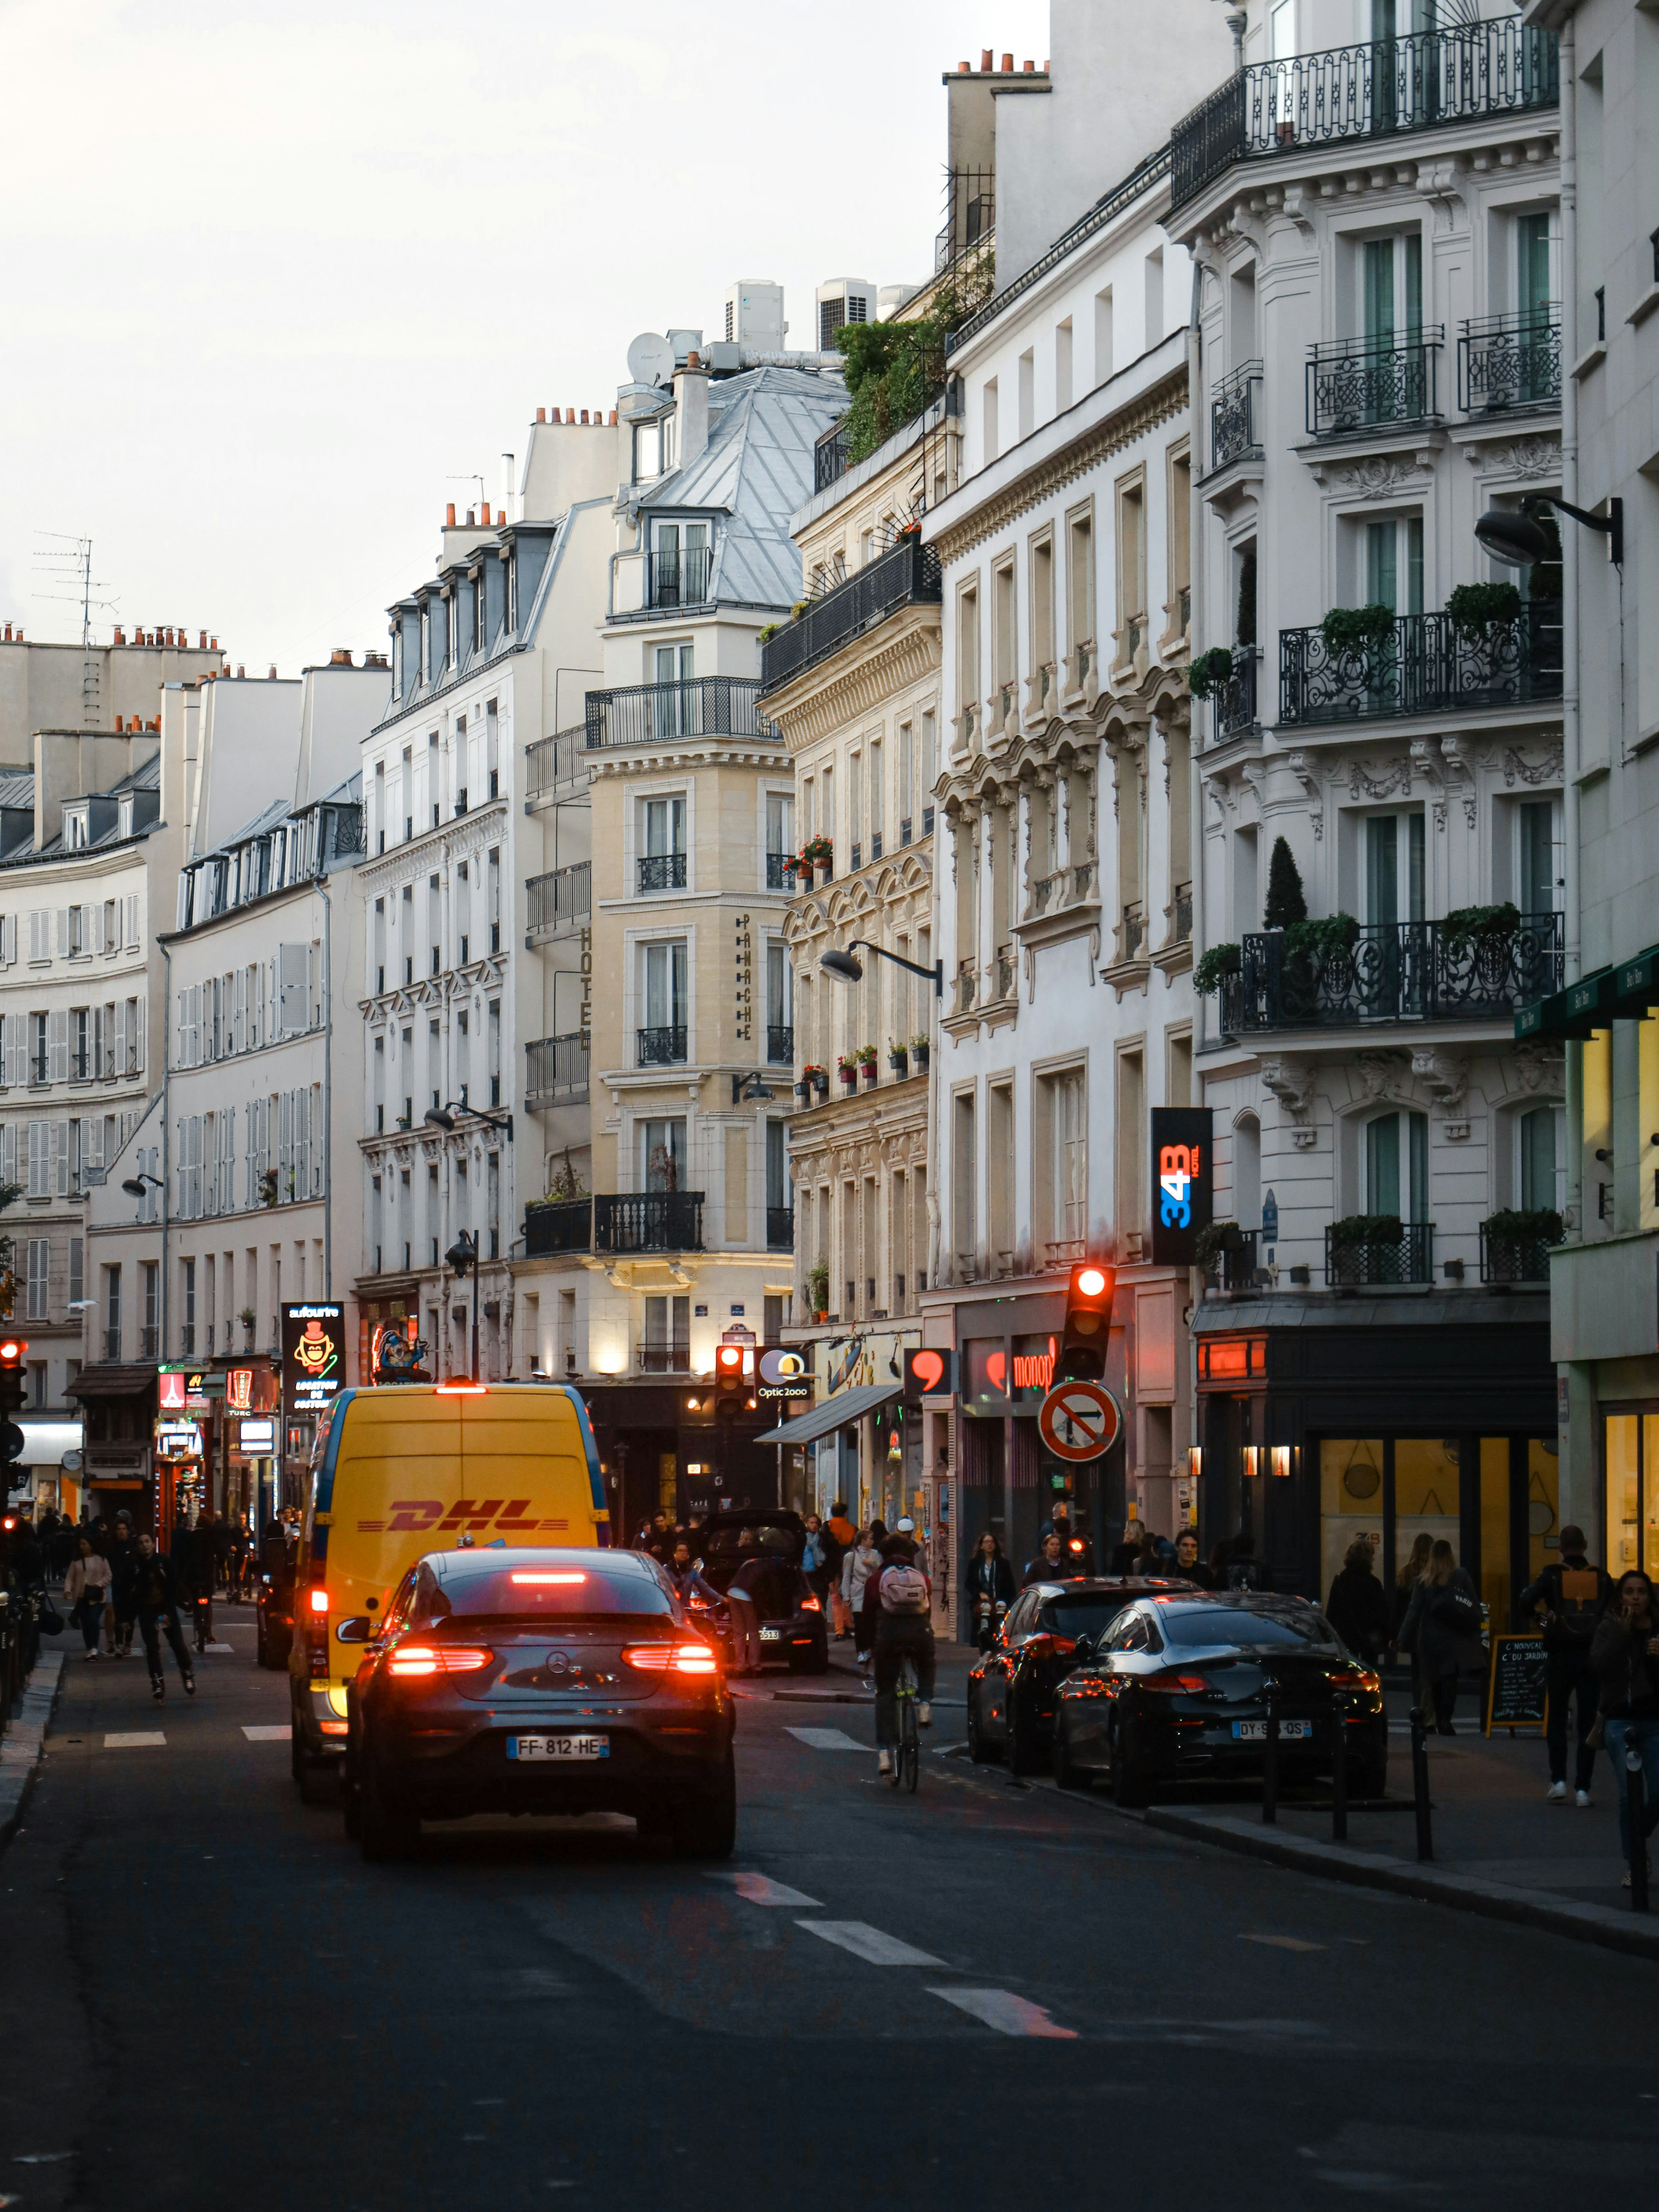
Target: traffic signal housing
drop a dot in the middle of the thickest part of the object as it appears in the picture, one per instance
(1082, 1356)
(731, 1389)
(13, 1353)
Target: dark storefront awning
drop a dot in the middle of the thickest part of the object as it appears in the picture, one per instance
(834, 1413)
(113, 1378)
(1627, 992)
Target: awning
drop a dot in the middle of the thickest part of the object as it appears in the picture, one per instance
(1583, 1008)
(110, 1378)
(834, 1413)
(46, 1443)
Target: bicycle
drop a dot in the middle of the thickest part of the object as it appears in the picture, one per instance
(907, 1754)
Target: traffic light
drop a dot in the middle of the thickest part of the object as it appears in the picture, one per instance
(1082, 1356)
(13, 1353)
(730, 1387)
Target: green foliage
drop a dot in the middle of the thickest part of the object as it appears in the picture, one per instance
(1351, 629)
(1220, 961)
(1213, 1240)
(1286, 901)
(1466, 925)
(1521, 1224)
(767, 632)
(818, 1289)
(1368, 1228)
(894, 370)
(1325, 940)
(1474, 608)
(1209, 671)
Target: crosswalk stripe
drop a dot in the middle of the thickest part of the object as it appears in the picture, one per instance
(761, 1889)
(873, 1945)
(1282, 1942)
(1009, 2015)
(823, 1739)
(134, 1740)
(278, 1732)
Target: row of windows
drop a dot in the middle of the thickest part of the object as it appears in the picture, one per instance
(54, 1158)
(96, 927)
(282, 1155)
(73, 1044)
(398, 1223)
(416, 787)
(40, 1255)
(868, 798)
(448, 1074)
(251, 1006)
(422, 932)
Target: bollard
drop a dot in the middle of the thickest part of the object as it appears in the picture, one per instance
(1635, 1804)
(1420, 1784)
(1339, 1770)
(1270, 1755)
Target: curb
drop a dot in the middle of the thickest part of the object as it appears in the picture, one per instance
(1493, 1900)
(21, 1744)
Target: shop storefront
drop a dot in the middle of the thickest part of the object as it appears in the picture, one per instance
(1325, 1419)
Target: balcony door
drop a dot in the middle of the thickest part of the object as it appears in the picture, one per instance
(1397, 1166)
(1537, 1142)
(663, 863)
(1389, 963)
(662, 1032)
(666, 1346)
(682, 564)
(1391, 284)
(673, 704)
(1537, 861)
(662, 1153)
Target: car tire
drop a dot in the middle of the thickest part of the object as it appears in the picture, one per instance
(385, 1832)
(1067, 1774)
(978, 1751)
(707, 1828)
(1129, 1789)
(1019, 1754)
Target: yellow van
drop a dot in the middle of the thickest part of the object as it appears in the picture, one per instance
(410, 1468)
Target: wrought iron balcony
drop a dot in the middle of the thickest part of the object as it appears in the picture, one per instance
(1238, 1261)
(1393, 971)
(681, 578)
(908, 575)
(830, 459)
(555, 1071)
(1232, 705)
(1406, 1258)
(780, 1045)
(1366, 384)
(663, 1046)
(561, 900)
(1421, 664)
(1514, 1258)
(665, 1358)
(970, 214)
(1382, 89)
(567, 1226)
(661, 871)
(780, 1228)
(1235, 431)
(555, 764)
(1507, 362)
(649, 1221)
(701, 707)
(779, 876)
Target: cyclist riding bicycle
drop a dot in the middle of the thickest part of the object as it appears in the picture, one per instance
(904, 1630)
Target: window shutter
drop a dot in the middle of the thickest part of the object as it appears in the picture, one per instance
(131, 906)
(8, 939)
(294, 962)
(239, 1011)
(63, 944)
(92, 1142)
(210, 1181)
(37, 1177)
(38, 948)
(8, 1153)
(135, 1064)
(58, 1045)
(96, 929)
(60, 1159)
(184, 1171)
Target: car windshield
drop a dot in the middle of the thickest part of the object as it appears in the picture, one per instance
(553, 1591)
(1251, 1631)
(1080, 1615)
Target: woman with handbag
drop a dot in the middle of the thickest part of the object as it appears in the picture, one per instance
(86, 1592)
(1442, 1618)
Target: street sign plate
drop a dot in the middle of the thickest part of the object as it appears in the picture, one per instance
(1079, 1421)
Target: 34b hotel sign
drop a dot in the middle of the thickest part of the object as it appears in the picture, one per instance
(1182, 1183)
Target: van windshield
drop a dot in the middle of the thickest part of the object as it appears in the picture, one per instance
(553, 1592)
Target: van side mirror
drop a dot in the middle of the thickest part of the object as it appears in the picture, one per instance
(357, 1629)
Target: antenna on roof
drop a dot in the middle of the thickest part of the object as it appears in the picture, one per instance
(66, 559)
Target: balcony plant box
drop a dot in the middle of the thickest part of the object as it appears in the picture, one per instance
(819, 1079)
(1514, 1244)
(867, 1060)
(819, 855)
(899, 1060)
(847, 1070)
(921, 1053)
(817, 1292)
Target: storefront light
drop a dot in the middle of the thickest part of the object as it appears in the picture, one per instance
(1251, 1454)
(1281, 1459)
(1194, 1463)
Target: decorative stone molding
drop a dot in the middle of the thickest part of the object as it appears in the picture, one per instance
(1538, 1067)
(1547, 770)
(1426, 763)
(1459, 775)
(1292, 1083)
(1363, 784)
(1529, 458)
(860, 675)
(1303, 770)
(1445, 1077)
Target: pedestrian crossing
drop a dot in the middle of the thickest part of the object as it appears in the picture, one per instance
(155, 1739)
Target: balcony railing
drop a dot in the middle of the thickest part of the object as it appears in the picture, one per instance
(778, 877)
(1382, 89)
(1363, 384)
(966, 984)
(679, 579)
(780, 1044)
(701, 707)
(665, 1358)
(1180, 914)
(780, 1228)
(561, 900)
(1421, 664)
(1514, 1258)
(556, 763)
(649, 1221)
(1232, 704)
(662, 1047)
(565, 1227)
(150, 1343)
(1239, 1260)
(830, 459)
(661, 871)
(970, 214)
(1234, 429)
(556, 1073)
(1505, 362)
(1408, 1258)
(1416, 971)
(908, 575)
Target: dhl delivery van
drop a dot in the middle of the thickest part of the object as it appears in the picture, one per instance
(410, 1468)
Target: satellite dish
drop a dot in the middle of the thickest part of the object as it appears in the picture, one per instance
(651, 359)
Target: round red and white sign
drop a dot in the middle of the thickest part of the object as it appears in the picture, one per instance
(1079, 1421)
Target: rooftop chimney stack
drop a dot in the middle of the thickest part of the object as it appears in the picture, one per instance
(449, 515)
(691, 407)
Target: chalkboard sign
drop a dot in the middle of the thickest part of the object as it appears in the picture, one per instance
(1516, 1696)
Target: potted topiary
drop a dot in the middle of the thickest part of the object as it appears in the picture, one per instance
(1515, 1241)
(817, 1291)
(1208, 672)
(1478, 929)
(1356, 629)
(1213, 967)
(247, 1318)
(1472, 609)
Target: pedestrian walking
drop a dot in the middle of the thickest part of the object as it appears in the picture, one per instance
(815, 1557)
(194, 1563)
(1188, 1564)
(1075, 1549)
(990, 1590)
(860, 1563)
(86, 1591)
(1574, 1595)
(1444, 1615)
(1405, 1582)
(1358, 1606)
(1624, 1658)
(121, 1609)
(1048, 1565)
(843, 1536)
(1124, 1554)
(155, 1594)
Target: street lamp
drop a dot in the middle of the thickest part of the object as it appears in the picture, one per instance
(1518, 540)
(461, 1254)
(748, 1089)
(444, 1117)
(847, 969)
(134, 1185)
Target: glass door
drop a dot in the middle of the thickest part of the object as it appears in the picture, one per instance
(1632, 1450)
(1537, 359)
(674, 699)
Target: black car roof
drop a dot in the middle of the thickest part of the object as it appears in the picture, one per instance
(1111, 1585)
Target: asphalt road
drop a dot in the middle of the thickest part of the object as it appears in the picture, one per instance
(208, 1999)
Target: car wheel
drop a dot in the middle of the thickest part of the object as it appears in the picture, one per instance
(977, 1750)
(707, 1828)
(385, 1832)
(1128, 1787)
(1019, 1752)
(1067, 1774)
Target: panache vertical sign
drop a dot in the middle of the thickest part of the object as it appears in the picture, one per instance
(314, 1356)
(1184, 1184)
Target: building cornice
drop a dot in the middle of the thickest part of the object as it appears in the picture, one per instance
(458, 839)
(865, 673)
(678, 754)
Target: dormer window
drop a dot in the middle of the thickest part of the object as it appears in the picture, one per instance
(480, 611)
(647, 452)
(127, 808)
(74, 828)
(513, 595)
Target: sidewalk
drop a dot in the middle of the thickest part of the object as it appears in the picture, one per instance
(19, 1745)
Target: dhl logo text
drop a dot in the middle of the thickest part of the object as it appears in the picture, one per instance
(419, 1516)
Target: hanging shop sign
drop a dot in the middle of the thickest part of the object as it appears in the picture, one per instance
(314, 1356)
(256, 1439)
(783, 1376)
(178, 1390)
(1181, 1182)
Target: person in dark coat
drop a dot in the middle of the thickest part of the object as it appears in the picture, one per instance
(123, 1556)
(1573, 1596)
(990, 1590)
(1443, 1610)
(1048, 1566)
(1624, 1658)
(1189, 1566)
(155, 1600)
(1358, 1606)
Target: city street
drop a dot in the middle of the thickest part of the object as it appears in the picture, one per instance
(925, 2001)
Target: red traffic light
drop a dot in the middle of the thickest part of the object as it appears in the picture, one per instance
(1093, 1286)
(1091, 1281)
(1089, 1297)
(728, 1360)
(12, 1350)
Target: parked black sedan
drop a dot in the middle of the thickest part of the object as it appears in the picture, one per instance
(761, 1550)
(537, 1682)
(1050, 1628)
(1175, 1690)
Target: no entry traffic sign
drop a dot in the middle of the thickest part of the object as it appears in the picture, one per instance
(1079, 1421)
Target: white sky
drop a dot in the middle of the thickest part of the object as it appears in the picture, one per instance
(275, 270)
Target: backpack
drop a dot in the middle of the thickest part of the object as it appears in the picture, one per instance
(1579, 1604)
(903, 1589)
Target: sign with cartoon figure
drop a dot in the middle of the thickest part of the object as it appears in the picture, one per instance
(1183, 1182)
(313, 1355)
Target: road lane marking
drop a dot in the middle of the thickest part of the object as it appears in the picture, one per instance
(821, 1739)
(1282, 1942)
(134, 1740)
(873, 1945)
(231, 1648)
(761, 1889)
(1009, 2015)
(276, 1732)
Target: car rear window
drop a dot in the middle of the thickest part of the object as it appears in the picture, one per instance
(1260, 1632)
(1081, 1616)
(551, 1591)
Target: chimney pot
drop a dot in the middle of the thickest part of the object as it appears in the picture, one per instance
(1045, 64)
(987, 58)
(213, 645)
(8, 634)
(486, 514)
(1007, 64)
(613, 418)
(1029, 66)
(120, 637)
(272, 677)
(449, 515)
(241, 670)
(964, 69)
(202, 647)
(541, 414)
(341, 657)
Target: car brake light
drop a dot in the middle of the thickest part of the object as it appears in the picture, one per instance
(319, 1601)
(540, 1579)
(425, 1659)
(461, 1390)
(1174, 1686)
(811, 1604)
(681, 1658)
